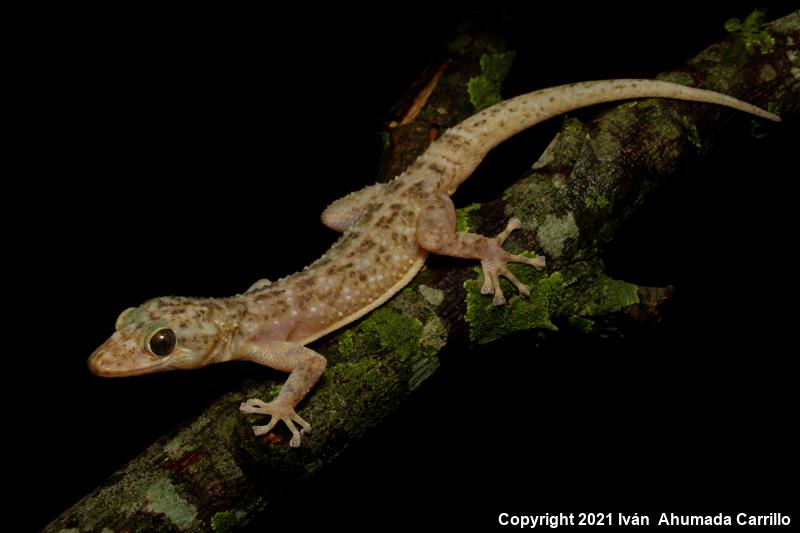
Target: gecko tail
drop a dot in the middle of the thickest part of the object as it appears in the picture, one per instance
(474, 137)
(610, 90)
(503, 120)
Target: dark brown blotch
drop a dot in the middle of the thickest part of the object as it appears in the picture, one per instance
(435, 167)
(393, 186)
(365, 245)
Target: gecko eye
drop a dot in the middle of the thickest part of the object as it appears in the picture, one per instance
(162, 342)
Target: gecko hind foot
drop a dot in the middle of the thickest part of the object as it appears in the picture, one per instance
(278, 413)
(495, 264)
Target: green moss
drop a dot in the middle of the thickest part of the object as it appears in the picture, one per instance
(752, 32)
(365, 386)
(572, 125)
(627, 105)
(495, 67)
(681, 78)
(362, 370)
(484, 89)
(226, 521)
(693, 134)
(163, 498)
(394, 331)
(584, 325)
(597, 202)
(662, 121)
(407, 329)
(608, 296)
(772, 107)
(273, 390)
(384, 330)
(346, 343)
(482, 93)
(386, 141)
(488, 322)
(462, 217)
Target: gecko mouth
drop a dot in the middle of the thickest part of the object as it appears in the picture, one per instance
(101, 363)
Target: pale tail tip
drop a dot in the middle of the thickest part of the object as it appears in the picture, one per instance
(763, 113)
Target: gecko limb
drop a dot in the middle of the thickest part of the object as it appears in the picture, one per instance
(306, 367)
(341, 214)
(436, 232)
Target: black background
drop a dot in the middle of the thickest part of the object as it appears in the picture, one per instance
(191, 152)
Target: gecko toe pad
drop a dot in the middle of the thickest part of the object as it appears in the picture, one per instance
(278, 412)
(494, 265)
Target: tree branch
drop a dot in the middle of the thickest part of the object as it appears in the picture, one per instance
(212, 472)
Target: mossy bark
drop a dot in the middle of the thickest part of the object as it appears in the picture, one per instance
(212, 474)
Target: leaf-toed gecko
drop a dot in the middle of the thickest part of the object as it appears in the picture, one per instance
(388, 230)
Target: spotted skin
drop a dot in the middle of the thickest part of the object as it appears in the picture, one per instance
(388, 231)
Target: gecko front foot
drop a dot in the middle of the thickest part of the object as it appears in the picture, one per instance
(279, 412)
(495, 261)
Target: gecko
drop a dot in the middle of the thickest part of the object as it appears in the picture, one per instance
(388, 229)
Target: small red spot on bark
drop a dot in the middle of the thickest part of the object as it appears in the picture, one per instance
(272, 438)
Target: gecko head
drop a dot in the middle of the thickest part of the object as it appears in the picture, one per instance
(165, 334)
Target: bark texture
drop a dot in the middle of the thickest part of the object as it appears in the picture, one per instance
(212, 474)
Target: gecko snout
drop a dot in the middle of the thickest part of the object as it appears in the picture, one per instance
(101, 363)
(121, 356)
